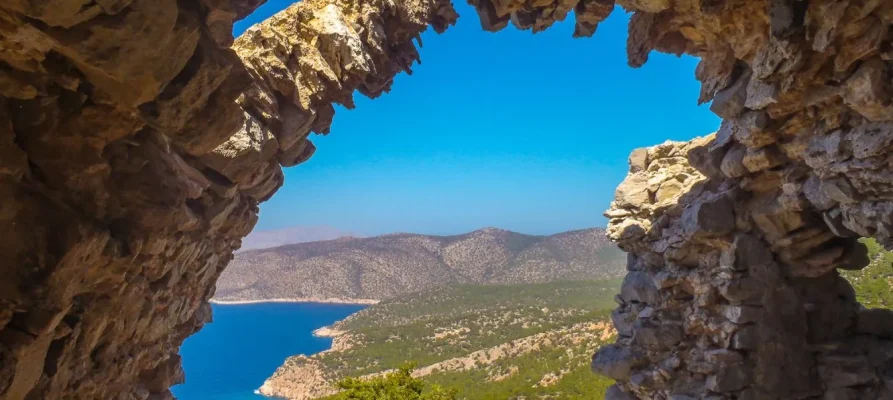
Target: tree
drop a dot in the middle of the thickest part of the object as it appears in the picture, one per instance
(397, 385)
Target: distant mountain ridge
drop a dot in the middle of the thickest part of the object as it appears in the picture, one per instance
(386, 266)
(292, 235)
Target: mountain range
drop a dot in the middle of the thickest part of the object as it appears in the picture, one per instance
(291, 235)
(386, 266)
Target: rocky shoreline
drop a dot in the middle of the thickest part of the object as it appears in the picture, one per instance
(328, 332)
(305, 380)
(313, 382)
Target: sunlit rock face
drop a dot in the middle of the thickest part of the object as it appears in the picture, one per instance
(135, 145)
(734, 240)
(137, 138)
(733, 290)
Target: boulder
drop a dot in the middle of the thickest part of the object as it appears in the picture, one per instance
(638, 287)
(616, 362)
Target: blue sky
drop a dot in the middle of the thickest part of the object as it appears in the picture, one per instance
(510, 129)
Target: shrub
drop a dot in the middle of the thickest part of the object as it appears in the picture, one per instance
(397, 385)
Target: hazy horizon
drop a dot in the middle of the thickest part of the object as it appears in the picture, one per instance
(446, 233)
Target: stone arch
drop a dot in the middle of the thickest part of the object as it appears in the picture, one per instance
(136, 141)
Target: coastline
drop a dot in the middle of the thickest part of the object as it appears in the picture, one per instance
(312, 383)
(328, 332)
(333, 300)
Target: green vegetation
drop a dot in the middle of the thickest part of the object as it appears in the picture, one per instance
(471, 342)
(873, 283)
(538, 338)
(456, 302)
(575, 382)
(397, 385)
(406, 329)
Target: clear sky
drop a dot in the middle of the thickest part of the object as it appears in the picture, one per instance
(510, 129)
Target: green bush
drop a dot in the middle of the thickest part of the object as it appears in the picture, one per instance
(397, 385)
(873, 283)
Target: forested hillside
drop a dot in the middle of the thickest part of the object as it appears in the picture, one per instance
(486, 342)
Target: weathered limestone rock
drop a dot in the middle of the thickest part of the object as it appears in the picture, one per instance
(750, 283)
(135, 146)
(802, 159)
(616, 362)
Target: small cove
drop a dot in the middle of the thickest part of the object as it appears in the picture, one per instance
(231, 357)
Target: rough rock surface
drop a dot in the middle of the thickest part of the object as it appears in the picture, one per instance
(135, 145)
(732, 293)
(734, 240)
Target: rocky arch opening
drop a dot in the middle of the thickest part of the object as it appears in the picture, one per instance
(129, 176)
(522, 121)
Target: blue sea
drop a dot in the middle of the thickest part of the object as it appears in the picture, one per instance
(231, 357)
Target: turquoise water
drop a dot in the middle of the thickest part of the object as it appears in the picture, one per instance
(231, 357)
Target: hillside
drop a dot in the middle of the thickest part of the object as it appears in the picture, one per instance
(874, 283)
(386, 266)
(488, 342)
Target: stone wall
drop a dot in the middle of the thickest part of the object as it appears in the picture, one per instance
(734, 240)
(733, 292)
(137, 139)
